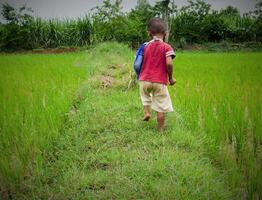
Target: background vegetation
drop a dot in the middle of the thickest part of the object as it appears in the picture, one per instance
(194, 23)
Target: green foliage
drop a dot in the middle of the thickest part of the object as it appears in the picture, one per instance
(258, 21)
(14, 34)
(214, 28)
(230, 11)
(258, 9)
(193, 23)
(19, 16)
(107, 20)
(138, 18)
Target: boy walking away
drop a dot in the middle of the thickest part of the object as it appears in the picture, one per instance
(156, 73)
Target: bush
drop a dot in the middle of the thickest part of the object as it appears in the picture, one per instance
(194, 23)
(214, 28)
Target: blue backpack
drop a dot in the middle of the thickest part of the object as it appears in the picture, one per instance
(139, 60)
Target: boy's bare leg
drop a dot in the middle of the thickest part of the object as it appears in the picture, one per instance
(160, 121)
(147, 114)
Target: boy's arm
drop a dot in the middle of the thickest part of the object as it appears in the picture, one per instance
(169, 66)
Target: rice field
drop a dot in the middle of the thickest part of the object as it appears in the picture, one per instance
(220, 96)
(35, 93)
(70, 128)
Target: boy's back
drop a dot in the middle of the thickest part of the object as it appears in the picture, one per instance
(156, 72)
(154, 62)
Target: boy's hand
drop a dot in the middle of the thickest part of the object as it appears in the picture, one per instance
(172, 81)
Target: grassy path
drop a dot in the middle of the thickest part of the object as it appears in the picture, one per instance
(105, 151)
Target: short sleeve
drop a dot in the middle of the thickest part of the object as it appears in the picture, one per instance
(169, 51)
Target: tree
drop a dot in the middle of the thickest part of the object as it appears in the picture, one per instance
(141, 4)
(107, 11)
(230, 11)
(258, 22)
(188, 23)
(138, 19)
(165, 9)
(213, 28)
(15, 34)
(19, 16)
(105, 19)
(258, 9)
(199, 9)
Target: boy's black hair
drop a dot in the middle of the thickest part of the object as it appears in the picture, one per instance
(156, 25)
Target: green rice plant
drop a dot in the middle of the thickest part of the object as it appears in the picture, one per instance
(219, 96)
(35, 93)
(211, 148)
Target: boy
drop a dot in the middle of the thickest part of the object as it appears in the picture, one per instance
(156, 73)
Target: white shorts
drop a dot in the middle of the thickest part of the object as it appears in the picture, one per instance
(155, 95)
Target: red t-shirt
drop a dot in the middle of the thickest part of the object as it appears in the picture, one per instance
(154, 62)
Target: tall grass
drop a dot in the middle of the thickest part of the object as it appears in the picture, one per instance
(56, 33)
(52, 33)
(211, 149)
(35, 93)
(219, 96)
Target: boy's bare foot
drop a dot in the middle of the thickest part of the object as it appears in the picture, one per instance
(146, 117)
(146, 113)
